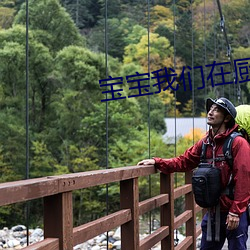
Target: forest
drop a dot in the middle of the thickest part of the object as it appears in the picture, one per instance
(72, 44)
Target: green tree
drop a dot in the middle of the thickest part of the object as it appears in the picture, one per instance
(84, 13)
(12, 124)
(161, 16)
(42, 163)
(76, 73)
(160, 52)
(6, 17)
(13, 148)
(53, 25)
(128, 152)
(241, 53)
(118, 31)
(13, 60)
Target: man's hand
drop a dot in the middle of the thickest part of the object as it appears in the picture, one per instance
(232, 221)
(146, 162)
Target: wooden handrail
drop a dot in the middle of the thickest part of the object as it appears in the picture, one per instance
(46, 244)
(58, 208)
(24, 190)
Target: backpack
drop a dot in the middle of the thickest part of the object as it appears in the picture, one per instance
(206, 179)
(243, 120)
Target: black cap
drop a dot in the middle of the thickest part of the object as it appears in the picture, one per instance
(223, 103)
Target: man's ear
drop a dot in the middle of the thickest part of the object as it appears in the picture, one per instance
(227, 118)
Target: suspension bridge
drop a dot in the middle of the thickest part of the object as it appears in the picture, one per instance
(56, 192)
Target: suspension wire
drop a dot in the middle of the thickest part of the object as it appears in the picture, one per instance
(149, 121)
(175, 109)
(107, 113)
(205, 45)
(229, 52)
(193, 97)
(205, 51)
(175, 96)
(27, 206)
(221, 43)
(77, 13)
(215, 34)
(175, 93)
(27, 88)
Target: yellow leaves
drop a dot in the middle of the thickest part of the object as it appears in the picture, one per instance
(241, 52)
(188, 108)
(210, 11)
(203, 114)
(189, 139)
(232, 11)
(6, 17)
(235, 4)
(167, 23)
(161, 12)
(161, 15)
(154, 58)
(160, 52)
(167, 97)
(195, 134)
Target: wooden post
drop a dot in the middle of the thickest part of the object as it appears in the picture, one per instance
(129, 198)
(190, 205)
(58, 219)
(167, 210)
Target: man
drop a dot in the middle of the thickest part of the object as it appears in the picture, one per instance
(221, 115)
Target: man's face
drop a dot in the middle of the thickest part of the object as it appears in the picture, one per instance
(215, 116)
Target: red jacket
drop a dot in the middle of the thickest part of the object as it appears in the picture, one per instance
(241, 167)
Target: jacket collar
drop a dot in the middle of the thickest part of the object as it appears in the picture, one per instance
(221, 136)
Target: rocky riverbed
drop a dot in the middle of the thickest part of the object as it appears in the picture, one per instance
(16, 238)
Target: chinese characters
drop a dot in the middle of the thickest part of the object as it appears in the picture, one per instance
(167, 78)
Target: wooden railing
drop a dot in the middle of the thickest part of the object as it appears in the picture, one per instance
(59, 232)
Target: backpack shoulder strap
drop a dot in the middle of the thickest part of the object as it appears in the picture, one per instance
(203, 152)
(227, 148)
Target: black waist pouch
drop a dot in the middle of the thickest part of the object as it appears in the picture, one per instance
(206, 183)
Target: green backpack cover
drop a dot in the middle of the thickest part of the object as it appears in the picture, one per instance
(243, 118)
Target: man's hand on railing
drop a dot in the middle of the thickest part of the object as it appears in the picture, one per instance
(146, 162)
